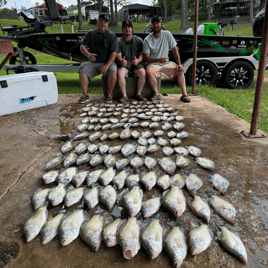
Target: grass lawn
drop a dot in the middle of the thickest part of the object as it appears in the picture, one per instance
(239, 102)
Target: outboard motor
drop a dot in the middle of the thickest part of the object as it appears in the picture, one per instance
(258, 23)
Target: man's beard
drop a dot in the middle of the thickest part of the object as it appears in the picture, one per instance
(156, 31)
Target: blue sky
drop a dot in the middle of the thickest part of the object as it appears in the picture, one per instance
(30, 3)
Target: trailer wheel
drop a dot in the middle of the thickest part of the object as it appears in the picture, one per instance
(239, 74)
(27, 57)
(206, 73)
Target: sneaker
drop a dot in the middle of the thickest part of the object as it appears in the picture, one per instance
(155, 97)
(123, 99)
(139, 98)
(83, 99)
(108, 98)
(185, 98)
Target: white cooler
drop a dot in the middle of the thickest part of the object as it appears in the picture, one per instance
(19, 92)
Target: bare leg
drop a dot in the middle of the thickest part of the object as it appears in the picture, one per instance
(112, 78)
(121, 72)
(152, 80)
(141, 73)
(181, 83)
(84, 81)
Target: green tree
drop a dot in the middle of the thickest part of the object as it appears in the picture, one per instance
(3, 2)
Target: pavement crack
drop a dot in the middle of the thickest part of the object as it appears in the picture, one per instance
(23, 172)
(41, 135)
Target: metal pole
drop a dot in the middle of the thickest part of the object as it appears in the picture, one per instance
(72, 27)
(61, 28)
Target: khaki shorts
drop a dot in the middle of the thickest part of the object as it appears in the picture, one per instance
(91, 69)
(162, 69)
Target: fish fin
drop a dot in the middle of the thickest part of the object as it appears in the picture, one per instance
(219, 224)
(165, 192)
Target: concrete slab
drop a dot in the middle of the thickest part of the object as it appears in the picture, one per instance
(27, 144)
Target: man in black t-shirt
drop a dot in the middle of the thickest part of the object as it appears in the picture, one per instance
(130, 58)
(100, 47)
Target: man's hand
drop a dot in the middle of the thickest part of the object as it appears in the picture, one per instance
(123, 62)
(135, 61)
(180, 68)
(103, 69)
(163, 60)
(92, 56)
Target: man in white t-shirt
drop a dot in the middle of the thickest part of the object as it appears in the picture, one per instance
(155, 53)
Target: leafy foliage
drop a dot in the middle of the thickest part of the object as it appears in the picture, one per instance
(3, 2)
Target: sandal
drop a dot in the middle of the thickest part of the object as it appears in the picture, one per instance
(185, 98)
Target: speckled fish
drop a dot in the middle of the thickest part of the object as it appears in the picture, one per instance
(67, 175)
(85, 120)
(182, 135)
(67, 146)
(118, 125)
(200, 208)
(114, 120)
(148, 180)
(95, 136)
(171, 118)
(106, 126)
(136, 162)
(193, 183)
(140, 111)
(93, 176)
(117, 113)
(93, 148)
(100, 115)
(83, 114)
(81, 136)
(128, 149)
(73, 196)
(145, 124)
(133, 120)
(34, 224)
(110, 232)
(205, 163)
(115, 149)
(194, 151)
(179, 118)
(132, 201)
(172, 134)
(142, 141)
(119, 179)
(82, 159)
(150, 206)
(135, 125)
(146, 134)
(152, 141)
(70, 226)
(154, 125)
(164, 118)
(104, 137)
(199, 239)
(135, 134)
(109, 161)
(79, 178)
(110, 109)
(174, 201)
(175, 141)
(159, 133)
(177, 180)
(141, 150)
(97, 127)
(163, 182)
(233, 244)
(107, 176)
(70, 159)
(113, 135)
(162, 142)
(104, 121)
(166, 126)
(82, 127)
(104, 148)
(54, 162)
(133, 180)
(175, 243)
(150, 162)
(96, 160)
(108, 196)
(51, 227)
(153, 148)
(91, 197)
(91, 127)
(50, 176)
(129, 235)
(219, 182)
(167, 151)
(223, 208)
(120, 164)
(125, 134)
(39, 198)
(94, 120)
(149, 113)
(167, 165)
(80, 148)
(92, 113)
(182, 161)
(181, 151)
(156, 118)
(57, 194)
(178, 126)
(144, 117)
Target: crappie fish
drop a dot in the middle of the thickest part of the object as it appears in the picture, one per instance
(152, 141)
(108, 196)
(164, 119)
(172, 134)
(107, 176)
(149, 113)
(85, 120)
(114, 120)
(83, 114)
(199, 239)
(148, 180)
(163, 182)
(182, 135)
(135, 134)
(106, 126)
(233, 244)
(80, 148)
(178, 126)
(129, 235)
(128, 149)
(175, 243)
(34, 224)
(94, 136)
(154, 125)
(177, 180)
(166, 126)
(194, 151)
(156, 118)
(109, 161)
(93, 176)
(69, 160)
(118, 125)
(110, 233)
(54, 163)
(113, 135)
(104, 137)
(174, 201)
(90, 127)
(96, 160)
(70, 226)
(223, 208)
(67, 175)
(117, 113)
(141, 150)
(91, 197)
(82, 159)
(193, 183)
(162, 142)
(115, 149)
(120, 164)
(219, 182)
(146, 134)
(125, 134)
(150, 206)
(159, 133)
(57, 194)
(119, 179)
(104, 121)
(171, 118)
(68, 146)
(167, 151)
(51, 227)
(182, 161)
(181, 150)
(144, 117)
(136, 162)
(145, 124)
(50, 176)
(150, 162)
(153, 148)
(142, 141)
(133, 120)
(201, 208)
(179, 118)
(167, 165)
(151, 238)
(175, 142)
(132, 201)
(81, 136)
(82, 127)
(133, 180)
(73, 196)
(205, 163)
(79, 178)
(93, 148)
(104, 148)
(94, 120)
(39, 198)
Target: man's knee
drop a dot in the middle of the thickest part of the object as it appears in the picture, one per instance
(112, 75)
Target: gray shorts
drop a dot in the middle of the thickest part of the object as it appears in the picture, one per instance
(91, 69)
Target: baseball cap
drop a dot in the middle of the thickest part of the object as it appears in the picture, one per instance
(156, 18)
(103, 17)
(126, 23)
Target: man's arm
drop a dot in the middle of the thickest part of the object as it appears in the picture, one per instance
(136, 61)
(86, 52)
(177, 58)
(121, 60)
(149, 59)
(103, 69)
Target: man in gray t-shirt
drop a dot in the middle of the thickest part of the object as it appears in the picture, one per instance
(155, 53)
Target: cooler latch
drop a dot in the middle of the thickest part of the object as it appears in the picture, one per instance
(3, 83)
(44, 78)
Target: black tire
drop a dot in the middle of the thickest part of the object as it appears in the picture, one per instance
(206, 73)
(239, 74)
(27, 57)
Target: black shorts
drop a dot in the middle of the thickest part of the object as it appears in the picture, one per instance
(131, 68)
